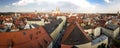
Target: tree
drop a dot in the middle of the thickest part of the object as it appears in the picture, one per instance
(103, 45)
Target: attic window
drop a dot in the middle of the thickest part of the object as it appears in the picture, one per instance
(40, 45)
(46, 41)
(36, 37)
(39, 31)
(31, 36)
(30, 46)
(24, 33)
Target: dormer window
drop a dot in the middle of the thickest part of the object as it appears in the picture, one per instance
(10, 44)
(24, 33)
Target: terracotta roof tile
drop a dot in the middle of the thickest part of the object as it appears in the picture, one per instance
(25, 38)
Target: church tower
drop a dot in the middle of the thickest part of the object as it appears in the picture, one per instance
(56, 12)
(118, 14)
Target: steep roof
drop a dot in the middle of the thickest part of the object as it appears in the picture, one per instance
(74, 35)
(50, 27)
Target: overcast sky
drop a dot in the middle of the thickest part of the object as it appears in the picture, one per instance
(86, 6)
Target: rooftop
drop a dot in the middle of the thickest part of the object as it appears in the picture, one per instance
(51, 26)
(99, 39)
(111, 26)
(35, 38)
(74, 35)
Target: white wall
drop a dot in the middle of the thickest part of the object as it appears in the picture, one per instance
(116, 32)
(41, 23)
(97, 31)
(111, 33)
(90, 31)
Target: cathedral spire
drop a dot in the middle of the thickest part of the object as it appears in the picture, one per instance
(118, 14)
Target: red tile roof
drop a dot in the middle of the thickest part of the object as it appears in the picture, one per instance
(25, 38)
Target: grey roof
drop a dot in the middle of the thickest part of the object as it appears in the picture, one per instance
(112, 26)
(99, 39)
(76, 37)
(50, 27)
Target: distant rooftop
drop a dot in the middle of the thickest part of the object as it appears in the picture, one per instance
(99, 39)
(51, 26)
(34, 19)
(112, 26)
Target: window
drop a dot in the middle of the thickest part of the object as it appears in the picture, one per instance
(31, 36)
(36, 37)
(40, 45)
(45, 41)
(31, 46)
(24, 33)
(39, 31)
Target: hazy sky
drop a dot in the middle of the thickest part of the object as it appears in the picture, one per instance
(88, 6)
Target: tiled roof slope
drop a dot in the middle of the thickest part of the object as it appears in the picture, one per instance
(32, 38)
(74, 35)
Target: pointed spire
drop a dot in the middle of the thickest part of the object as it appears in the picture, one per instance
(118, 14)
(57, 9)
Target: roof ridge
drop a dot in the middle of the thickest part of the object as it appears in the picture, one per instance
(68, 32)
